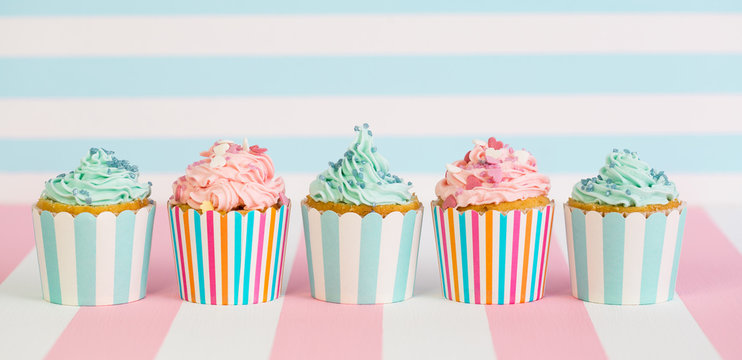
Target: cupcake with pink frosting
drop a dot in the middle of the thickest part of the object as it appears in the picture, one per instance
(492, 221)
(229, 219)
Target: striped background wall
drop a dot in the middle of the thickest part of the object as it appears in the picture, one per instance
(159, 80)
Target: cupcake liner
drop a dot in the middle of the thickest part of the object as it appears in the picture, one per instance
(624, 260)
(93, 260)
(361, 260)
(230, 259)
(493, 257)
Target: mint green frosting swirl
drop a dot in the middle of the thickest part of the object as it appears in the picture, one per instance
(101, 179)
(360, 177)
(625, 180)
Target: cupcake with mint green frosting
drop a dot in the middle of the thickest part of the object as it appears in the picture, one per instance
(93, 231)
(361, 228)
(624, 233)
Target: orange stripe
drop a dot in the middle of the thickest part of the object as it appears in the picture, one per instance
(187, 226)
(526, 251)
(452, 236)
(270, 252)
(488, 245)
(225, 261)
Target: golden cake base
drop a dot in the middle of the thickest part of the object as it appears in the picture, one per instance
(56, 207)
(524, 205)
(363, 210)
(674, 204)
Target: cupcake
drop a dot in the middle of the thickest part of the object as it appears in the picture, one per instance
(624, 232)
(229, 219)
(361, 228)
(492, 224)
(93, 230)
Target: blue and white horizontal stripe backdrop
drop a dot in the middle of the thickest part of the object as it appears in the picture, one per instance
(158, 81)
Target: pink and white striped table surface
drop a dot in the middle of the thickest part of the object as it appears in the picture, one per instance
(702, 322)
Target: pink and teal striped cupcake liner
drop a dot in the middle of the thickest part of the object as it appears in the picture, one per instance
(621, 260)
(361, 260)
(231, 259)
(493, 257)
(93, 260)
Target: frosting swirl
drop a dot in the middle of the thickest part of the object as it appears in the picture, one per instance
(231, 177)
(491, 173)
(361, 176)
(101, 179)
(625, 180)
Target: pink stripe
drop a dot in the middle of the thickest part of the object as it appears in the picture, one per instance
(184, 292)
(259, 258)
(709, 282)
(313, 329)
(475, 243)
(514, 262)
(537, 330)
(442, 232)
(547, 228)
(18, 237)
(131, 331)
(212, 259)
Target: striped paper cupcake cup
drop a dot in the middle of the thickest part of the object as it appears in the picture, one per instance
(361, 260)
(624, 260)
(93, 260)
(231, 259)
(494, 257)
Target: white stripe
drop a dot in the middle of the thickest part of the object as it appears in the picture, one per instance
(30, 326)
(508, 256)
(482, 258)
(668, 256)
(137, 254)
(40, 253)
(315, 243)
(370, 34)
(594, 245)
(520, 251)
(64, 228)
(230, 219)
(350, 257)
(105, 254)
(412, 271)
(391, 229)
(254, 270)
(632, 257)
(409, 115)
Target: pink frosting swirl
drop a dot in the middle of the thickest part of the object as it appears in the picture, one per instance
(491, 173)
(231, 178)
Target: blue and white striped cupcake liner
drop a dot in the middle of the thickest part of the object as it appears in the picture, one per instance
(624, 260)
(93, 260)
(361, 260)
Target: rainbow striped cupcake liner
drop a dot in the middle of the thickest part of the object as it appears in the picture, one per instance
(231, 259)
(93, 260)
(618, 260)
(494, 257)
(361, 260)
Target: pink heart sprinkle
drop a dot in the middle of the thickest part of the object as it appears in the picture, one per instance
(257, 149)
(466, 157)
(450, 202)
(496, 175)
(472, 182)
(493, 143)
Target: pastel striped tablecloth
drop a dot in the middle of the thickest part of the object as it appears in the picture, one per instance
(158, 81)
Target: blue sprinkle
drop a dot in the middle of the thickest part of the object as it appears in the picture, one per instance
(356, 128)
(373, 149)
(608, 192)
(61, 175)
(627, 151)
(108, 152)
(613, 186)
(584, 181)
(600, 177)
(628, 192)
(583, 187)
(370, 133)
(75, 191)
(378, 183)
(590, 187)
(149, 183)
(355, 172)
(84, 192)
(332, 164)
(93, 151)
(356, 146)
(360, 175)
(615, 150)
(88, 200)
(612, 165)
(608, 181)
(409, 183)
(362, 185)
(364, 162)
(351, 183)
(108, 171)
(365, 125)
(322, 177)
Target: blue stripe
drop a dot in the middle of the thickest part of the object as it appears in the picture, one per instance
(277, 253)
(122, 263)
(555, 154)
(368, 264)
(465, 245)
(197, 7)
(331, 255)
(248, 257)
(171, 216)
(370, 75)
(237, 254)
(438, 245)
(654, 237)
(579, 237)
(49, 237)
(614, 228)
(501, 261)
(85, 239)
(536, 252)
(199, 256)
(405, 256)
(676, 258)
(308, 247)
(147, 251)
